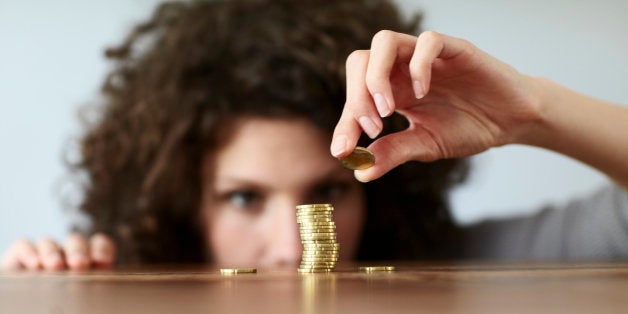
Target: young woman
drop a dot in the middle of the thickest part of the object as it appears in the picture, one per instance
(216, 123)
(218, 118)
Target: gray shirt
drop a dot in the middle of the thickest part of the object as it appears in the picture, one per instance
(592, 228)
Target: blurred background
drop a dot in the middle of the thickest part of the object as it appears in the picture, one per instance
(51, 63)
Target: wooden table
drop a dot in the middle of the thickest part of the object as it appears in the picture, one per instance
(412, 288)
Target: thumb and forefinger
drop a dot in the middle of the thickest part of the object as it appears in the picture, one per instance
(370, 96)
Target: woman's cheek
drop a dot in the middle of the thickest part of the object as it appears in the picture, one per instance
(349, 224)
(233, 238)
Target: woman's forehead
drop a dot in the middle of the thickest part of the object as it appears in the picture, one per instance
(277, 150)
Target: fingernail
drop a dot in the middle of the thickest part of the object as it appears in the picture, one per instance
(77, 261)
(54, 261)
(338, 145)
(102, 257)
(369, 126)
(419, 92)
(383, 107)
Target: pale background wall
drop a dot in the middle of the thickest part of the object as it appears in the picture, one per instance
(51, 62)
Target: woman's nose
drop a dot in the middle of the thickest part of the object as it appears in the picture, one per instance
(285, 242)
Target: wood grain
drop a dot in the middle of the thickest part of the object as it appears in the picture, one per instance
(411, 288)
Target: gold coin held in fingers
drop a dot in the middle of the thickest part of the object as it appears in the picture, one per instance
(360, 158)
(235, 271)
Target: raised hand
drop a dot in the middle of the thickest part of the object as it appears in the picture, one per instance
(458, 100)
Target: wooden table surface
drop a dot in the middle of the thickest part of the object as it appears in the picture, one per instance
(411, 288)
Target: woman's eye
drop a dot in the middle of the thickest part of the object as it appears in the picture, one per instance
(244, 199)
(328, 193)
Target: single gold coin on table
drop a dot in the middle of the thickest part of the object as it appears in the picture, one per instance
(360, 158)
(372, 269)
(235, 271)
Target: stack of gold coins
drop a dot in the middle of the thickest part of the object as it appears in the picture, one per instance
(318, 236)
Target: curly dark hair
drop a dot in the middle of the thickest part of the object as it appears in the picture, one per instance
(181, 79)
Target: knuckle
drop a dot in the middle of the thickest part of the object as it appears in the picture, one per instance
(22, 243)
(430, 36)
(382, 37)
(6, 259)
(76, 243)
(46, 241)
(75, 235)
(374, 80)
(75, 238)
(101, 237)
(356, 57)
(101, 242)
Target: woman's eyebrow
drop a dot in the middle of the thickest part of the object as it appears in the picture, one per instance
(237, 182)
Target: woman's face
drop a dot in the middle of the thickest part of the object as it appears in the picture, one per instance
(259, 177)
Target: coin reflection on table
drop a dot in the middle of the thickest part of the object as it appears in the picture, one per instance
(360, 158)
